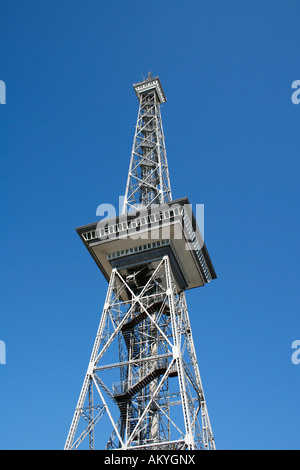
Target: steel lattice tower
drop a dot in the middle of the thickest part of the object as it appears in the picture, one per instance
(143, 380)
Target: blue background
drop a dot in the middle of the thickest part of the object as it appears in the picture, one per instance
(232, 137)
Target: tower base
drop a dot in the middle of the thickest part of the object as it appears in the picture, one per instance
(142, 380)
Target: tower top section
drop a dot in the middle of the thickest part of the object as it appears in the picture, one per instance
(151, 83)
(148, 177)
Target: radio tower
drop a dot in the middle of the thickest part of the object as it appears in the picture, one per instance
(142, 388)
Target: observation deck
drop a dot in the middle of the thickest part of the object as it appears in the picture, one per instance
(135, 243)
(151, 83)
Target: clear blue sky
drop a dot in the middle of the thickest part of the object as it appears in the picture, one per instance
(232, 136)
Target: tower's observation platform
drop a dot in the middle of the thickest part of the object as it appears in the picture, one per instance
(136, 242)
(150, 84)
